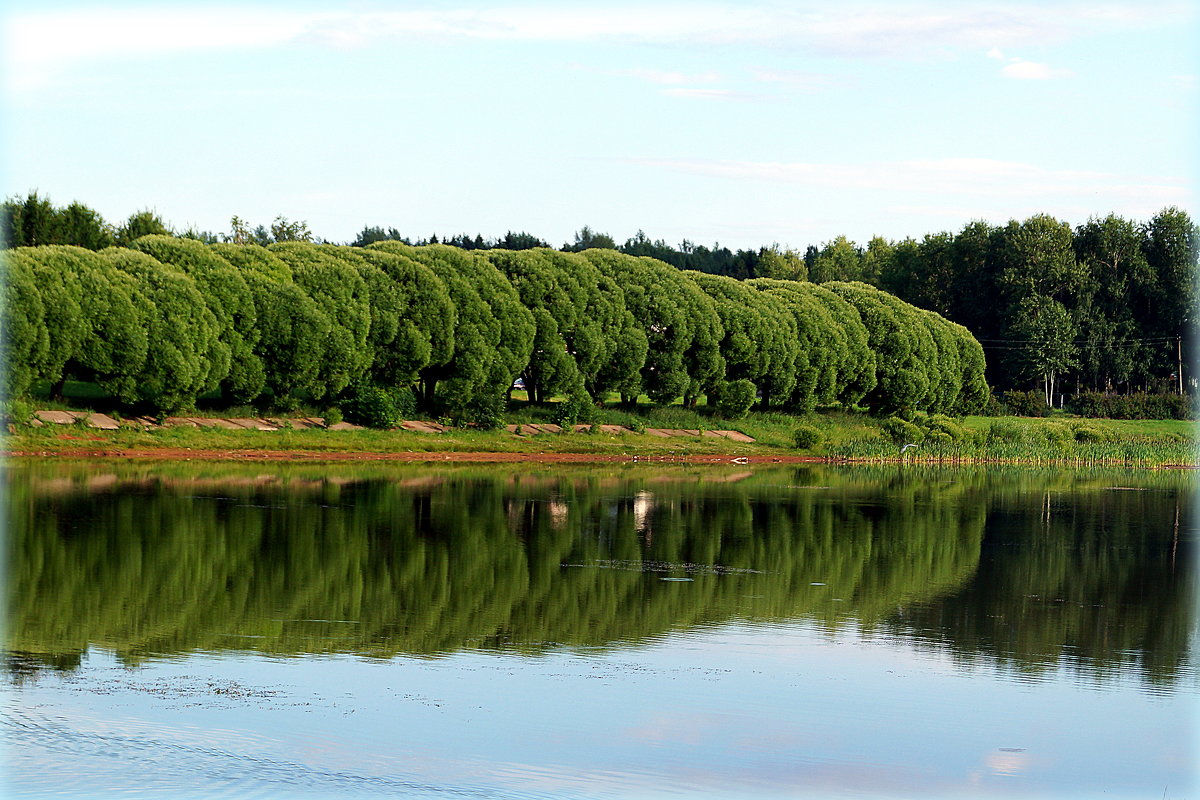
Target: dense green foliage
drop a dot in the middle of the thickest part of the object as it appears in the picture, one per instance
(182, 355)
(25, 337)
(340, 291)
(493, 334)
(585, 340)
(170, 319)
(1107, 306)
(228, 297)
(1128, 290)
(293, 329)
(1131, 406)
(94, 319)
(680, 323)
(1104, 306)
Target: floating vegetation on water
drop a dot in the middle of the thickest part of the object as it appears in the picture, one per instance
(663, 566)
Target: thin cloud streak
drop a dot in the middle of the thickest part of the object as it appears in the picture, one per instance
(969, 177)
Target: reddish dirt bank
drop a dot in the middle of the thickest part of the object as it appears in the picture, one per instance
(183, 454)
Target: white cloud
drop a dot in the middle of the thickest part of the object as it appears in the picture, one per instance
(40, 44)
(1033, 71)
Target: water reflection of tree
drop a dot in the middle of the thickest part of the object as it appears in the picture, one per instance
(424, 562)
(1093, 587)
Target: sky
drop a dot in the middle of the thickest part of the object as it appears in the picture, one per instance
(743, 124)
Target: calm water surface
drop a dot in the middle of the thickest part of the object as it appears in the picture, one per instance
(275, 631)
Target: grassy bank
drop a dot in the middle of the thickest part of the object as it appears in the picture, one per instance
(836, 435)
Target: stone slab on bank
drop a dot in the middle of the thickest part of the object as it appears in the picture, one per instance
(107, 423)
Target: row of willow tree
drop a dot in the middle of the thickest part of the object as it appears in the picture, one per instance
(166, 320)
(1104, 306)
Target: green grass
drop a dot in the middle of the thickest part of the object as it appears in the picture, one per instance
(846, 435)
(1056, 440)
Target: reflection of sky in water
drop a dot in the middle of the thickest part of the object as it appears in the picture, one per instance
(769, 710)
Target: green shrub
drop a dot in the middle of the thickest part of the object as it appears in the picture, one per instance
(991, 407)
(940, 423)
(485, 410)
(806, 437)
(1005, 431)
(938, 439)
(1024, 404)
(333, 415)
(575, 409)
(370, 405)
(1133, 406)
(902, 431)
(1059, 435)
(1086, 433)
(17, 411)
(732, 399)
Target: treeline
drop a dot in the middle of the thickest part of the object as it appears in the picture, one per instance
(1107, 306)
(443, 331)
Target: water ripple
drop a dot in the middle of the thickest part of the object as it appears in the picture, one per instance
(138, 757)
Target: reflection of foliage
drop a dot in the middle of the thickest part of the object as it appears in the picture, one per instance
(1112, 585)
(406, 560)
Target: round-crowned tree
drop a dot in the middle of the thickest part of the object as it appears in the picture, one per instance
(683, 331)
(945, 372)
(557, 301)
(24, 339)
(65, 325)
(224, 289)
(819, 343)
(760, 342)
(856, 371)
(111, 349)
(425, 336)
(340, 293)
(465, 383)
(973, 391)
(899, 340)
(183, 353)
(292, 329)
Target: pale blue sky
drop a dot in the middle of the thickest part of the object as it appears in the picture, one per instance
(744, 123)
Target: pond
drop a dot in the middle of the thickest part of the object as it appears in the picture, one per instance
(539, 631)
